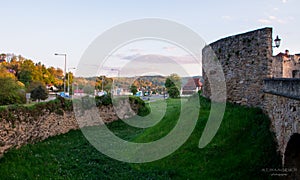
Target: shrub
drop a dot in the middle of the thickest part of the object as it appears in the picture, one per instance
(103, 100)
(11, 92)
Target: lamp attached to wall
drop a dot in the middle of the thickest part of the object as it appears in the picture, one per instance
(277, 42)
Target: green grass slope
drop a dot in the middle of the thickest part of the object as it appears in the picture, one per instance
(242, 147)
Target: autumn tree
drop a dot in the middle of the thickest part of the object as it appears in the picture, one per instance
(26, 72)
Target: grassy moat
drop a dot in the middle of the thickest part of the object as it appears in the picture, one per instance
(242, 148)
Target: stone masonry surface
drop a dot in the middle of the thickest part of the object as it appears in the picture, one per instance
(256, 78)
(28, 129)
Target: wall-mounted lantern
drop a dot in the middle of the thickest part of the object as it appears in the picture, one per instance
(277, 42)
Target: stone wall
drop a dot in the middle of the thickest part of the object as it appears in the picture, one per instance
(255, 78)
(286, 87)
(282, 104)
(285, 117)
(246, 60)
(277, 67)
(20, 126)
(29, 130)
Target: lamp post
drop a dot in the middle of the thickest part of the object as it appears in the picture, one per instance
(65, 71)
(69, 80)
(102, 83)
(277, 42)
(114, 69)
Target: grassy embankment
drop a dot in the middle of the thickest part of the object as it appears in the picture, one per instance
(242, 147)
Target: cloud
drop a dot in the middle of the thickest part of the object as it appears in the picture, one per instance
(136, 50)
(284, 1)
(185, 59)
(264, 21)
(272, 19)
(131, 57)
(163, 64)
(281, 21)
(227, 18)
(170, 48)
(138, 64)
(118, 55)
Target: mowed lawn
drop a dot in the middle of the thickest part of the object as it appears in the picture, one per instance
(242, 148)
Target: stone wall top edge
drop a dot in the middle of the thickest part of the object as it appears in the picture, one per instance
(282, 79)
(288, 96)
(241, 35)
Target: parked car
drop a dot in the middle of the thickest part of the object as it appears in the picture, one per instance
(63, 94)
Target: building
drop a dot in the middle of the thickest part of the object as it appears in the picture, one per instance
(286, 65)
(192, 86)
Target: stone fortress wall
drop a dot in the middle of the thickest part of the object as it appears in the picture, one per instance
(254, 77)
(282, 104)
(246, 60)
(26, 127)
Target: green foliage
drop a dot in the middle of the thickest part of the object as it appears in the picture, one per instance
(11, 92)
(26, 71)
(133, 89)
(103, 100)
(144, 108)
(173, 92)
(25, 77)
(169, 83)
(34, 84)
(173, 82)
(104, 83)
(39, 93)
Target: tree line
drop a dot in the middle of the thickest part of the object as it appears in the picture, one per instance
(21, 75)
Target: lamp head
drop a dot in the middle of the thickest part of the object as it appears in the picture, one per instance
(277, 42)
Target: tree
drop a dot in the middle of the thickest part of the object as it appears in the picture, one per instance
(35, 84)
(4, 73)
(25, 77)
(169, 83)
(11, 92)
(39, 93)
(133, 89)
(27, 70)
(173, 80)
(173, 83)
(173, 92)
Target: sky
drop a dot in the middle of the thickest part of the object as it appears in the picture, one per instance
(37, 29)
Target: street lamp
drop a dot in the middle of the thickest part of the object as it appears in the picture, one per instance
(56, 54)
(114, 69)
(277, 42)
(69, 80)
